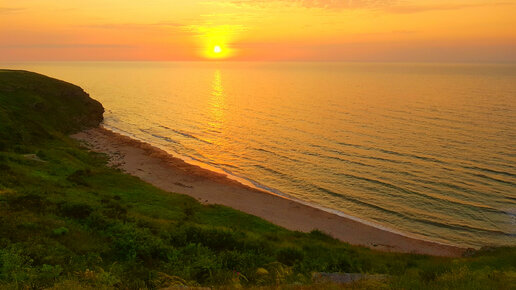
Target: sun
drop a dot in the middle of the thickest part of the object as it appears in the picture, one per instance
(216, 50)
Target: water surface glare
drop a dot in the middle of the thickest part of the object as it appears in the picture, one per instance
(425, 149)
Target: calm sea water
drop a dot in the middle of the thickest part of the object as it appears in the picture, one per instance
(425, 149)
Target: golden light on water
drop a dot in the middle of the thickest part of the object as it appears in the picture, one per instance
(217, 101)
(217, 105)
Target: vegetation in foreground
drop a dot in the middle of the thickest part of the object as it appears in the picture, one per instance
(67, 221)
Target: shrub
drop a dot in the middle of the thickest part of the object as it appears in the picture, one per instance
(79, 177)
(14, 265)
(290, 256)
(98, 278)
(4, 167)
(317, 234)
(167, 281)
(60, 231)
(30, 202)
(214, 238)
(131, 243)
(341, 263)
(114, 210)
(75, 210)
(97, 221)
(277, 273)
(49, 274)
(189, 213)
(431, 272)
(41, 154)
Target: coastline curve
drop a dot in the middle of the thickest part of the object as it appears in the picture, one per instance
(173, 174)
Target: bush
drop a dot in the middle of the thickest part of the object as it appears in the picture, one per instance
(130, 243)
(213, 238)
(79, 177)
(114, 210)
(317, 234)
(97, 221)
(60, 231)
(341, 263)
(14, 265)
(290, 256)
(4, 168)
(49, 274)
(32, 202)
(98, 278)
(75, 210)
(431, 272)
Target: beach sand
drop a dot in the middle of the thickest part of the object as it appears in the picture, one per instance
(164, 171)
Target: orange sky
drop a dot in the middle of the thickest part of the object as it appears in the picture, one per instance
(347, 30)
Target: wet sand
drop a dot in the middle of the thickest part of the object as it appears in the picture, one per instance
(164, 171)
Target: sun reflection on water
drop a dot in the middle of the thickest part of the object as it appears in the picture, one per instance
(217, 102)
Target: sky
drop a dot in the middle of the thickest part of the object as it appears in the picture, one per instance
(259, 30)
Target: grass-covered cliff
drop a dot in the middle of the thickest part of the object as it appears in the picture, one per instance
(69, 221)
(34, 107)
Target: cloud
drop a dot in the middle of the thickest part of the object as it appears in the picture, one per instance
(8, 10)
(390, 6)
(408, 9)
(64, 45)
(203, 29)
(219, 30)
(168, 23)
(324, 4)
(132, 26)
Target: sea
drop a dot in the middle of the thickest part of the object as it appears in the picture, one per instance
(427, 150)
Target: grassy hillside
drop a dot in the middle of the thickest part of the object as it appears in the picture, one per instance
(70, 222)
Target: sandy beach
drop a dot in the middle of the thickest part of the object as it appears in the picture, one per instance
(164, 171)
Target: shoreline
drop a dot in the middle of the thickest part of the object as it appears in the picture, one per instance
(247, 182)
(172, 174)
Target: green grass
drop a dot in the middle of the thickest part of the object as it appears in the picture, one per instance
(70, 222)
